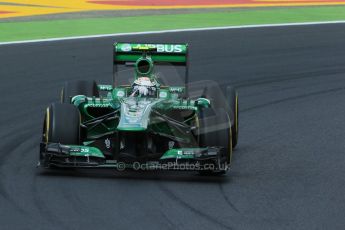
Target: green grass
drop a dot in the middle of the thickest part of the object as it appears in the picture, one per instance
(16, 31)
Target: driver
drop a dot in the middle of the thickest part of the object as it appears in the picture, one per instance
(144, 86)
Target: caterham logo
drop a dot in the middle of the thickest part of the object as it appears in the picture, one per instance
(126, 47)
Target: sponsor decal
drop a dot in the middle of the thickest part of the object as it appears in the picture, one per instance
(163, 94)
(84, 150)
(160, 48)
(75, 150)
(99, 105)
(169, 48)
(105, 87)
(144, 47)
(126, 47)
(176, 89)
(184, 107)
(171, 144)
(188, 152)
(120, 93)
(107, 143)
(132, 120)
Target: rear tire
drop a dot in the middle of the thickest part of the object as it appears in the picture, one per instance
(79, 87)
(214, 130)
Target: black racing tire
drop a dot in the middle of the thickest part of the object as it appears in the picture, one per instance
(232, 99)
(229, 102)
(79, 87)
(215, 95)
(214, 130)
(62, 124)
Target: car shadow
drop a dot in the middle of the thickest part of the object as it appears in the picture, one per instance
(172, 176)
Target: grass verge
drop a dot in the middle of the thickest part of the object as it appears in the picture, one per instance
(17, 31)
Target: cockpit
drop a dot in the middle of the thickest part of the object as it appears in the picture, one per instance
(145, 83)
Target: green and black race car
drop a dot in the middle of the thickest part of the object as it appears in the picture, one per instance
(140, 121)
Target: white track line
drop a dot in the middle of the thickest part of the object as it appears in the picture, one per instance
(172, 31)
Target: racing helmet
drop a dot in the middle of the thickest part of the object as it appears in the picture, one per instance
(144, 84)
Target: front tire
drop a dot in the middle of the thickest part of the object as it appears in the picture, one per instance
(229, 103)
(62, 124)
(232, 100)
(215, 131)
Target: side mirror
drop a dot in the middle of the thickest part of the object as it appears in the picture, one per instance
(202, 102)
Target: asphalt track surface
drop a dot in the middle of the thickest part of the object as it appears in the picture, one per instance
(288, 170)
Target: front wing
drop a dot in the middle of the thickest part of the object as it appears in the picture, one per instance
(73, 156)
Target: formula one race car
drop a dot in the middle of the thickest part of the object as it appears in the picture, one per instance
(145, 124)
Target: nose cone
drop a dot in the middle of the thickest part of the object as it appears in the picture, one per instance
(135, 113)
